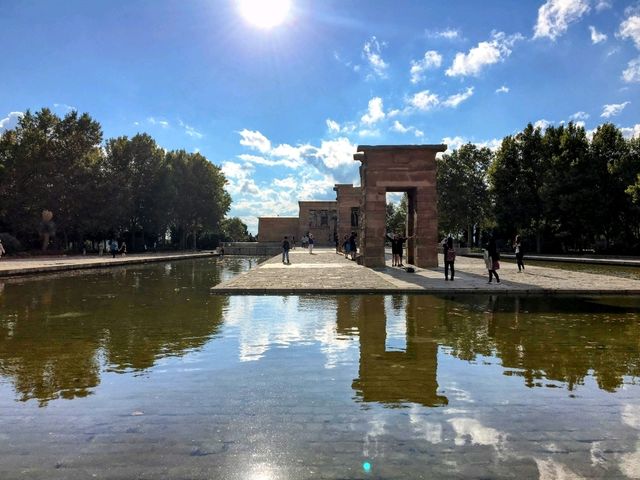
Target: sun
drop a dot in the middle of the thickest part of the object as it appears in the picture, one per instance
(265, 13)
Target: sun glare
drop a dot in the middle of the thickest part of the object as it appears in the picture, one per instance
(265, 13)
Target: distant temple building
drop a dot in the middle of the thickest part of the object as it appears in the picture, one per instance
(384, 168)
(325, 220)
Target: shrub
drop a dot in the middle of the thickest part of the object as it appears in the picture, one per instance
(11, 243)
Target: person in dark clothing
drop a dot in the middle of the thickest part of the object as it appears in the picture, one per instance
(449, 259)
(517, 245)
(353, 248)
(397, 248)
(285, 250)
(493, 260)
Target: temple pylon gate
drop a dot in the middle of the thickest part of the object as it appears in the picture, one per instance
(399, 168)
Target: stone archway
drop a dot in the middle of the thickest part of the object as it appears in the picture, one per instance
(399, 168)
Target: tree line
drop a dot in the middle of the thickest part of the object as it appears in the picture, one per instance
(559, 188)
(129, 189)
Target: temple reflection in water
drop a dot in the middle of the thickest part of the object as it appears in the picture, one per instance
(57, 337)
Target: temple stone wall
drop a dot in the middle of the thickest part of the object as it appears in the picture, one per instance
(348, 199)
(274, 229)
(399, 168)
(319, 218)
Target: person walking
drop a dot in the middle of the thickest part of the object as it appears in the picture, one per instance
(114, 248)
(449, 259)
(492, 259)
(346, 246)
(353, 247)
(517, 245)
(285, 250)
(311, 243)
(2, 250)
(123, 249)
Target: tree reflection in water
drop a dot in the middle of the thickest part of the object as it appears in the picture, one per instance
(542, 340)
(54, 334)
(59, 334)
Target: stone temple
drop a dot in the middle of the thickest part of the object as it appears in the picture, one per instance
(384, 168)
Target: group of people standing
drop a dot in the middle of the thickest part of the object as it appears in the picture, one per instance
(111, 247)
(491, 258)
(397, 248)
(350, 246)
(287, 245)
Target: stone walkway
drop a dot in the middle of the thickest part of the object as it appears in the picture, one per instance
(327, 272)
(10, 266)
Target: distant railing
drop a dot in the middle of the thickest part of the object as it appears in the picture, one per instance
(251, 248)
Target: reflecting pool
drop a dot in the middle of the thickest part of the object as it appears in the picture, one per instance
(141, 373)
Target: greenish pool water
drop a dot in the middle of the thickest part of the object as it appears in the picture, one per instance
(141, 373)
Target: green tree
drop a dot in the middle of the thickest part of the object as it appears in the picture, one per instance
(235, 230)
(396, 216)
(517, 179)
(47, 163)
(140, 186)
(614, 173)
(570, 188)
(463, 194)
(200, 200)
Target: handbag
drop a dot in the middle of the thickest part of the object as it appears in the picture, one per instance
(496, 265)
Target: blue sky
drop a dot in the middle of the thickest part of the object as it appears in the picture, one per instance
(282, 109)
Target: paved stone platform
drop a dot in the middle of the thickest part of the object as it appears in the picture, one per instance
(327, 272)
(10, 266)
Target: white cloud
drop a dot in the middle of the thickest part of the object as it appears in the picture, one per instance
(189, 130)
(10, 121)
(596, 36)
(290, 156)
(579, 116)
(613, 109)
(431, 60)
(368, 132)
(288, 182)
(454, 100)
(453, 143)
(236, 175)
(448, 33)
(336, 153)
(400, 128)
(311, 189)
(157, 121)
(66, 107)
(542, 124)
(374, 113)
(503, 89)
(632, 73)
(335, 127)
(255, 140)
(372, 52)
(602, 5)
(332, 125)
(555, 16)
(424, 100)
(486, 53)
(631, 132)
(348, 64)
(630, 28)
